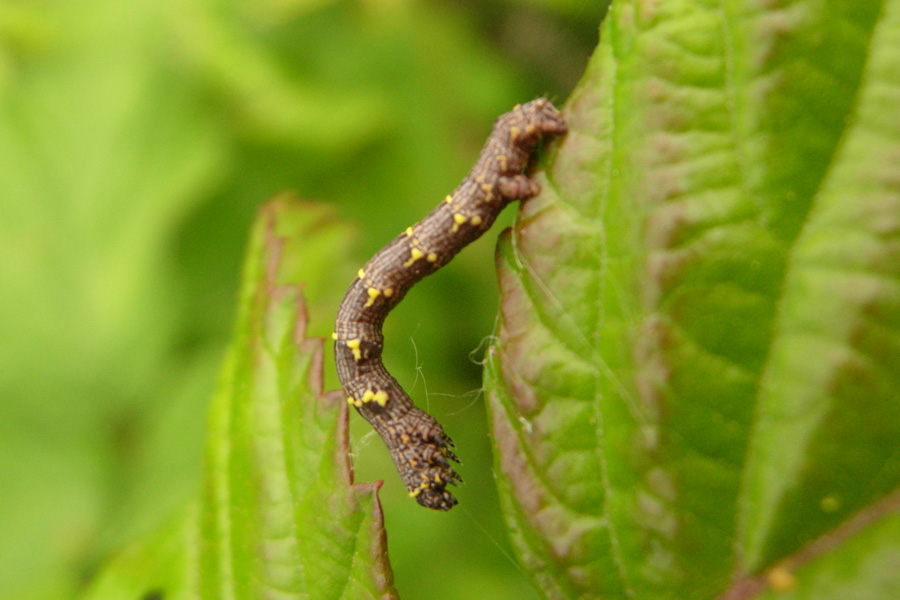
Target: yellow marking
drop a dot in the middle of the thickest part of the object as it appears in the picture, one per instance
(381, 397)
(409, 232)
(373, 294)
(517, 107)
(432, 257)
(388, 292)
(368, 395)
(350, 400)
(414, 255)
(334, 335)
(479, 179)
(459, 220)
(488, 191)
(501, 158)
(530, 129)
(404, 437)
(781, 579)
(830, 503)
(476, 220)
(361, 273)
(514, 133)
(422, 486)
(448, 199)
(354, 346)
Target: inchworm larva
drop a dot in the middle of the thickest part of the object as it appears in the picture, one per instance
(418, 445)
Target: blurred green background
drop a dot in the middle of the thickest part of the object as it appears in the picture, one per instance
(137, 141)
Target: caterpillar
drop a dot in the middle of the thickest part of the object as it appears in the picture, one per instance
(420, 449)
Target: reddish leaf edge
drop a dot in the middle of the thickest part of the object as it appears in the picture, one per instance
(273, 244)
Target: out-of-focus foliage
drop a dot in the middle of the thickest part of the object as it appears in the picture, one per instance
(137, 140)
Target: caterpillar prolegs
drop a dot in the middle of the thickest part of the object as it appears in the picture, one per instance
(417, 442)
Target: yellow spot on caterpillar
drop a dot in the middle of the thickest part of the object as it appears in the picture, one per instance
(422, 486)
(459, 220)
(530, 129)
(373, 294)
(488, 191)
(404, 437)
(334, 335)
(479, 178)
(476, 220)
(350, 400)
(501, 158)
(432, 257)
(781, 579)
(409, 232)
(514, 133)
(388, 292)
(354, 346)
(448, 199)
(414, 255)
(381, 397)
(361, 273)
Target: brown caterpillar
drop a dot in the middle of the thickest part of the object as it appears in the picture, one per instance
(417, 442)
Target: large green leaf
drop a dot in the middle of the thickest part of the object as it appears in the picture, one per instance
(694, 389)
(279, 514)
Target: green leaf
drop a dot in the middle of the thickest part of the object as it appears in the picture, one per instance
(697, 363)
(279, 513)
